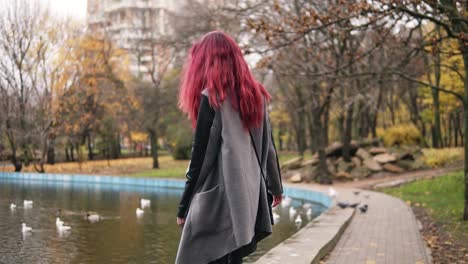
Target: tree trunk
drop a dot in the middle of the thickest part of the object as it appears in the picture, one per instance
(348, 133)
(280, 137)
(456, 127)
(301, 140)
(341, 124)
(11, 140)
(312, 134)
(51, 150)
(154, 147)
(364, 121)
(465, 128)
(436, 128)
(449, 134)
(326, 123)
(113, 146)
(323, 175)
(67, 156)
(90, 147)
(464, 49)
(18, 165)
(72, 154)
(15, 161)
(375, 114)
(118, 146)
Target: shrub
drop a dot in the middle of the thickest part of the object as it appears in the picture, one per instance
(181, 144)
(400, 135)
(436, 158)
(182, 149)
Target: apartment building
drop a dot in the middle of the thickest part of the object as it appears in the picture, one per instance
(133, 25)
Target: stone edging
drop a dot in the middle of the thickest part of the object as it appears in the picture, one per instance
(293, 192)
(312, 242)
(334, 240)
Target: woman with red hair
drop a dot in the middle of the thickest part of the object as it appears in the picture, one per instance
(233, 178)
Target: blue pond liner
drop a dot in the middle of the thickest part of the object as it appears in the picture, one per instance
(131, 183)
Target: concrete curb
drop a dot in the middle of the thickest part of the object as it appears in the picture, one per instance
(312, 242)
(332, 243)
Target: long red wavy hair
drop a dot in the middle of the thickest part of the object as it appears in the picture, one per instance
(216, 62)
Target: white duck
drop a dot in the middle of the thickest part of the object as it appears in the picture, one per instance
(332, 193)
(58, 222)
(93, 217)
(286, 201)
(12, 206)
(276, 218)
(309, 212)
(139, 212)
(63, 228)
(298, 220)
(292, 211)
(27, 203)
(25, 229)
(145, 203)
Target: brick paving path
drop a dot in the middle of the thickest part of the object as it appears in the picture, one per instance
(388, 233)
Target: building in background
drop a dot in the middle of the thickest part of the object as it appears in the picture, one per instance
(134, 25)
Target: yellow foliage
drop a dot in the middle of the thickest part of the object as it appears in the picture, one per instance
(451, 77)
(279, 116)
(401, 135)
(93, 85)
(436, 158)
(139, 136)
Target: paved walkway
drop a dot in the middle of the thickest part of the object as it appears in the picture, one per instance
(387, 233)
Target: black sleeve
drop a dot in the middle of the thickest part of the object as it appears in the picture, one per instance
(200, 141)
(273, 168)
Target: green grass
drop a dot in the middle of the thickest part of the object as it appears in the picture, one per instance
(176, 169)
(174, 173)
(442, 197)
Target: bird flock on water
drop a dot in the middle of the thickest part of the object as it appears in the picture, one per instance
(295, 213)
(61, 227)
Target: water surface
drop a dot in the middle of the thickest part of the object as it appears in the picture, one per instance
(121, 237)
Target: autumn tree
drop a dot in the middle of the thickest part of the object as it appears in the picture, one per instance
(27, 41)
(290, 24)
(98, 98)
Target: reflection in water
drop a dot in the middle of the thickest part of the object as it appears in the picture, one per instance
(119, 235)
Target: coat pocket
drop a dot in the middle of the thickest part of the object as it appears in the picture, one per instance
(209, 212)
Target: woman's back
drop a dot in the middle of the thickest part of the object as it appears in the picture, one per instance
(234, 166)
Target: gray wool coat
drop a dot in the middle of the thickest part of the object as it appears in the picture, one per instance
(229, 207)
